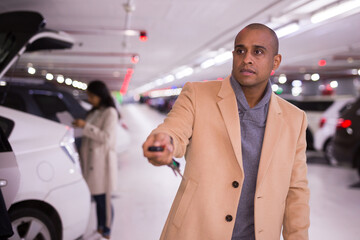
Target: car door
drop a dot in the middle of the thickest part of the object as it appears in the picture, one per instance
(24, 31)
(9, 171)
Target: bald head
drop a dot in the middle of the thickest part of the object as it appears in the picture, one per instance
(258, 26)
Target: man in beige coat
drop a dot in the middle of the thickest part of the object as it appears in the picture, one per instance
(245, 174)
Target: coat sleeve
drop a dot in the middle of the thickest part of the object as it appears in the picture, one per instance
(179, 122)
(297, 211)
(107, 132)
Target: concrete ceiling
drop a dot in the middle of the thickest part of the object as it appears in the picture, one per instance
(183, 33)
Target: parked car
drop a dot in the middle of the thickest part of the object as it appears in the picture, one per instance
(313, 107)
(46, 100)
(53, 199)
(42, 99)
(327, 126)
(9, 170)
(9, 184)
(25, 31)
(346, 144)
(52, 193)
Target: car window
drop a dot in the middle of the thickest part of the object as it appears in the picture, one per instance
(12, 100)
(7, 40)
(6, 126)
(344, 108)
(50, 105)
(312, 105)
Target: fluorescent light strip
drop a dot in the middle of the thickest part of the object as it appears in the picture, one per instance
(208, 63)
(184, 73)
(223, 57)
(334, 11)
(287, 29)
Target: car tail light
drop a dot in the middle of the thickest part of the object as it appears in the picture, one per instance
(68, 145)
(322, 122)
(343, 123)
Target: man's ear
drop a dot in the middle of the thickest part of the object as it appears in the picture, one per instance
(277, 61)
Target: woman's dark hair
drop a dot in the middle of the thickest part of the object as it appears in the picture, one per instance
(99, 89)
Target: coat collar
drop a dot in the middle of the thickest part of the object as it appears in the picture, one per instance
(229, 110)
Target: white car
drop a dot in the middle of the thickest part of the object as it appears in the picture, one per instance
(53, 200)
(327, 126)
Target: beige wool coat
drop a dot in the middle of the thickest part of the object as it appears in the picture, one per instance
(98, 154)
(205, 127)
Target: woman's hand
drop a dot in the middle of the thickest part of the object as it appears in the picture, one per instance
(79, 123)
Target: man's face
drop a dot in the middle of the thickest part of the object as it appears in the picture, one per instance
(254, 58)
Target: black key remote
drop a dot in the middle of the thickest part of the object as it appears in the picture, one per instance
(155, 149)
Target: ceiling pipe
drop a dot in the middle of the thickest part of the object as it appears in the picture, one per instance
(129, 7)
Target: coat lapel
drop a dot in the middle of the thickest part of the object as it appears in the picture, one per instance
(274, 124)
(229, 110)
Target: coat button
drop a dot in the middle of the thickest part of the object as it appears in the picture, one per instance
(228, 218)
(235, 184)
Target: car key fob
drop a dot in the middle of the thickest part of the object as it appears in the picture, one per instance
(155, 149)
(174, 165)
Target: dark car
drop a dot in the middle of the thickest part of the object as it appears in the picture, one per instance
(346, 148)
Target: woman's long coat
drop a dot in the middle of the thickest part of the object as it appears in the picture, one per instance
(98, 155)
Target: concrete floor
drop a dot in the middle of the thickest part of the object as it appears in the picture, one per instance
(145, 192)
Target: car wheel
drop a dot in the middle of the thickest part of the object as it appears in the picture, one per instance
(33, 224)
(328, 152)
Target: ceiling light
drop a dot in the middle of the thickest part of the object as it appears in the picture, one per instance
(184, 73)
(282, 78)
(208, 63)
(68, 81)
(307, 77)
(295, 91)
(296, 83)
(287, 29)
(84, 86)
(159, 82)
(334, 84)
(169, 78)
(60, 79)
(223, 57)
(315, 77)
(274, 87)
(130, 32)
(49, 76)
(2, 83)
(75, 83)
(311, 6)
(31, 70)
(334, 10)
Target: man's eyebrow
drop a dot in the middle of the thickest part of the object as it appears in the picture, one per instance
(255, 46)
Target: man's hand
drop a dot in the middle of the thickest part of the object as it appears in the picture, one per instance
(159, 158)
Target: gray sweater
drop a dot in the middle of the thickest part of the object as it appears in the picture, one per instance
(252, 124)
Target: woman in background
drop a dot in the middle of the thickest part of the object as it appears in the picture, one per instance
(97, 152)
